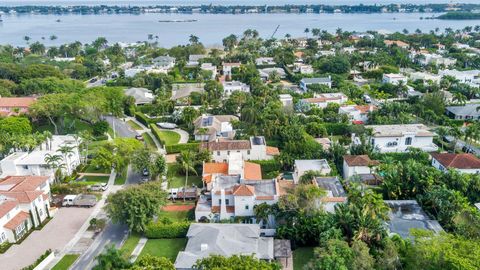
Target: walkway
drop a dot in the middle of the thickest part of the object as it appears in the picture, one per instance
(138, 249)
(149, 132)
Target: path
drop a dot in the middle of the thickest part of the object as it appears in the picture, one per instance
(149, 132)
(138, 249)
(184, 136)
(94, 174)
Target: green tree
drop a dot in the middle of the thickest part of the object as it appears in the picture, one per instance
(187, 162)
(15, 126)
(235, 262)
(111, 259)
(149, 262)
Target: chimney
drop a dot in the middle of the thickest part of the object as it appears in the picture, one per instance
(203, 247)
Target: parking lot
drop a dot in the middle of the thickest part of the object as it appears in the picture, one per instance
(55, 235)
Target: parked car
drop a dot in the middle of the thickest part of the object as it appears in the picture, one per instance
(139, 137)
(82, 200)
(98, 187)
(367, 99)
(145, 172)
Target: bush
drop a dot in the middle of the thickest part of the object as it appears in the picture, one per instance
(142, 118)
(167, 229)
(269, 167)
(38, 261)
(100, 128)
(177, 148)
(337, 128)
(155, 132)
(5, 246)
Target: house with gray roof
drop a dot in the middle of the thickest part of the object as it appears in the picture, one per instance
(265, 73)
(407, 214)
(465, 112)
(211, 127)
(183, 90)
(205, 239)
(141, 95)
(302, 166)
(164, 61)
(305, 82)
(335, 193)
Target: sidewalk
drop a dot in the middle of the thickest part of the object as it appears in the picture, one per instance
(138, 249)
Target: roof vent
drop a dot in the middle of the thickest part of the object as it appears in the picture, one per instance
(203, 247)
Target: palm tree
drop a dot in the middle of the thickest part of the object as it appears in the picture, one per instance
(54, 162)
(442, 132)
(306, 31)
(87, 138)
(460, 98)
(193, 39)
(66, 151)
(187, 163)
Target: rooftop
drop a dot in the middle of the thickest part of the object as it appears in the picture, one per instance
(331, 184)
(311, 164)
(468, 109)
(360, 160)
(226, 145)
(16, 102)
(457, 161)
(419, 130)
(317, 80)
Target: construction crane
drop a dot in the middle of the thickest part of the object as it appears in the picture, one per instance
(274, 32)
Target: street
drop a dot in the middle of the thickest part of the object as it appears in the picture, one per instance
(122, 129)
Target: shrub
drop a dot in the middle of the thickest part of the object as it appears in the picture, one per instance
(268, 166)
(167, 229)
(177, 148)
(5, 246)
(155, 132)
(39, 260)
(337, 128)
(141, 118)
(100, 128)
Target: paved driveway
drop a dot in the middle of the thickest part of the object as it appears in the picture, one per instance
(55, 235)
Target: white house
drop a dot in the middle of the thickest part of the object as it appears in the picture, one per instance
(164, 62)
(33, 163)
(265, 61)
(425, 77)
(357, 113)
(212, 127)
(322, 100)
(398, 138)
(227, 69)
(230, 86)
(304, 165)
(303, 68)
(194, 59)
(357, 165)
(335, 192)
(265, 73)
(471, 77)
(305, 82)
(394, 79)
(432, 58)
(141, 95)
(253, 149)
(24, 203)
(464, 163)
(465, 112)
(287, 100)
(210, 67)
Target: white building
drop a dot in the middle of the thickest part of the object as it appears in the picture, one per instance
(322, 100)
(253, 149)
(194, 59)
(464, 163)
(303, 68)
(398, 138)
(212, 127)
(394, 79)
(230, 86)
(425, 77)
(227, 69)
(33, 163)
(304, 165)
(141, 95)
(164, 62)
(357, 165)
(471, 77)
(287, 100)
(433, 58)
(357, 113)
(305, 82)
(210, 67)
(335, 192)
(265, 61)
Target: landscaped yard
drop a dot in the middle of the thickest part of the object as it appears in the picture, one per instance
(149, 141)
(301, 256)
(121, 178)
(130, 244)
(168, 248)
(66, 262)
(92, 169)
(134, 125)
(177, 179)
(178, 215)
(101, 179)
(169, 137)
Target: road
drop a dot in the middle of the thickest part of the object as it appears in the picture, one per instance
(113, 233)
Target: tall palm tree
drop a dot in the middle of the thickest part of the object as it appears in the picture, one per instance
(55, 162)
(442, 132)
(66, 151)
(87, 138)
(186, 160)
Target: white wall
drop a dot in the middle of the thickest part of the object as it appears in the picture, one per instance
(440, 167)
(424, 143)
(350, 171)
(241, 205)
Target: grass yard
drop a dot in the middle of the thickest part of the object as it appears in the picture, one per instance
(66, 262)
(169, 137)
(149, 141)
(99, 179)
(134, 125)
(168, 248)
(92, 169)
(130, 244)
(121, 178)
(177, 179)
(178, 215)
(301, 256)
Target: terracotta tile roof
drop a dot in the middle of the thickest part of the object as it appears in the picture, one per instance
(226, 145)
(6, 206)
(298, 54)
(212, 167)
(252, 171)
(458, 161)
(207, 178)
(273, 151)
(216, 209)
(23, 183)
(17, 220)
(359, 160)
(22, 196)
(365, 108)
(17, 102)
(399, 43)
(285, 186)
(243, 190)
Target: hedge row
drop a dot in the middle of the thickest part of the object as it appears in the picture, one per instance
(177, 148)
(337, 128)
(268, 165)
(156, 132)
(142, 118)
(38, 261)
(162, 230)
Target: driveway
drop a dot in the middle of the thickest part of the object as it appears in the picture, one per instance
(55, 235)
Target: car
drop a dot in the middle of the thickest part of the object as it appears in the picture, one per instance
(367, 99)
(93, 80)
(145, 172)
(98, 187)
(167, 125)
(139, 137)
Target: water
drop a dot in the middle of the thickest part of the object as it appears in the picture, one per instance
(210, 28)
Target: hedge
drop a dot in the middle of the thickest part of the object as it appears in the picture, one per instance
(337, 128)
(268, 166)
(177, 148)
(162, 230)
(38, 261)
(142, 118)
(155, 132)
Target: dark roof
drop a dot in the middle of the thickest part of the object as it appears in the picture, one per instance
(282, 248)
(360, 160)
(226, 145)
(331, 184)
(458, 161)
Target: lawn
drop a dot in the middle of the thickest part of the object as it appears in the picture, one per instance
(66, 262)
(121, 178)
(169, 137)
(168, 248)
(301, 256)
(178, 215)
(134, 125)
(149, 141)
(92, 169)
(177, 179)
(100, 179)
(130, 244)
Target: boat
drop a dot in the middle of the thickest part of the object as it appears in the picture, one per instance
(176, 21)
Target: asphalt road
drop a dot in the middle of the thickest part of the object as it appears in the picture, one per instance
(121, 128)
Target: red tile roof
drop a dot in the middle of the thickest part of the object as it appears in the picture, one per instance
(252, 171)
(243, 190)
(16, 102)
(272, 151)
(211, 167)
(458, 161)
(360, 160)
(22, 196)
(226, 145)
(17, 220)
(23, 183)
(6, 206)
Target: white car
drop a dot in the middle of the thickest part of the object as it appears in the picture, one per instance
(167, 125)
(98, 187)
